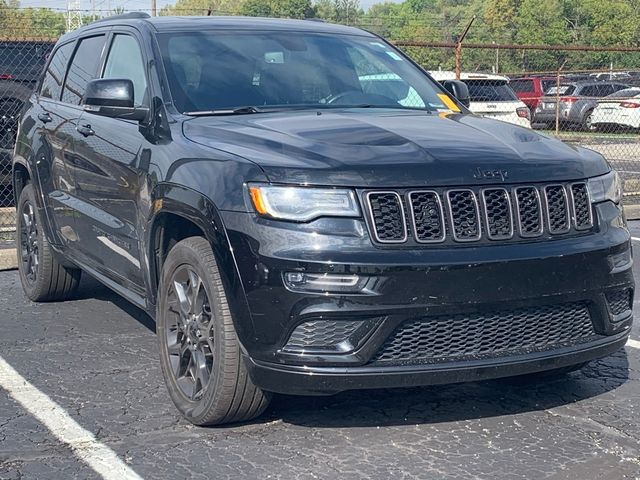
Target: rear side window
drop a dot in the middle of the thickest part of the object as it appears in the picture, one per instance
(547, 84)
(54, 75)
(596, 90)
(125, 62)
(84, 67)
(562, 90)
(522, 86)
(490, 91)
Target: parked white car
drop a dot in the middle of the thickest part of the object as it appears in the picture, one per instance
(620, 109)
(491, 96)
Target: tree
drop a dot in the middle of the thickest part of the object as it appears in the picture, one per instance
(257, 8)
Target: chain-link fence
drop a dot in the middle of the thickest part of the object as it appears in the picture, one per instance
(21, 62)
(588, 96)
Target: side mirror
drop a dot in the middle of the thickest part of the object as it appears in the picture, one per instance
(111, 97)
(459, 90)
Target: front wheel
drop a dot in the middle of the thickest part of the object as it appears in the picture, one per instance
(200, 352)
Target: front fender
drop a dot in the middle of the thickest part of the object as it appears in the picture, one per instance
(200, 210)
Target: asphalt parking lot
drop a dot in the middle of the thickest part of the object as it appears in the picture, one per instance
(95, 357)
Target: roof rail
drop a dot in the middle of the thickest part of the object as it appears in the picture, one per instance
(124, 16)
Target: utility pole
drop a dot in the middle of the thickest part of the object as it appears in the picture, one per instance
(74, 17)
(154, 8)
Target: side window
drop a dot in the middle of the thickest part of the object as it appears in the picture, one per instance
(125, 62)
(522, 86)
(605, 90)
(84, 67)
(54, 74)
(590, 91)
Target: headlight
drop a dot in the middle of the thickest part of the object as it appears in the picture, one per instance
(302, 204)
(605, 187)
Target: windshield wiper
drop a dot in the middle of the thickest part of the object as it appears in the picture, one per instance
(228, 111)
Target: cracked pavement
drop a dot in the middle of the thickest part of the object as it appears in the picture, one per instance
(96, 357)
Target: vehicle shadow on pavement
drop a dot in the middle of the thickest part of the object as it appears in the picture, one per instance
(91, 288)
(450, 403)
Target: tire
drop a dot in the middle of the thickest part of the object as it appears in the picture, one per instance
(542, 377)
(43, 278)
(587, 126)
(200, 353)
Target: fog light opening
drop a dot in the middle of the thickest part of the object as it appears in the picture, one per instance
(325, 282)
(620, 261)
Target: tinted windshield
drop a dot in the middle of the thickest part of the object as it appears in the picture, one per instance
(490, 91)
(220, 70)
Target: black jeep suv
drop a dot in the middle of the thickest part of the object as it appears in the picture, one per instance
(295, 225)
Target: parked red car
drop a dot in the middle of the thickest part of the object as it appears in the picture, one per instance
(531, 89)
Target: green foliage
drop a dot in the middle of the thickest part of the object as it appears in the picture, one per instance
(543, 22)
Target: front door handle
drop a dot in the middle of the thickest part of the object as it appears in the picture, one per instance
(44, 117)
(85, 130)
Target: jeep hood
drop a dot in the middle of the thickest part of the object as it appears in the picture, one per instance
(392, 148)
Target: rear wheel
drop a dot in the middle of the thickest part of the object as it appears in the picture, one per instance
(200, 352)
(43, 277)
(587, 123)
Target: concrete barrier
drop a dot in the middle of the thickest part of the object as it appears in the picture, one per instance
(8, 259)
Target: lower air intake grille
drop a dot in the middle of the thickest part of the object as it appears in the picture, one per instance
(619, 301)
(477, 335)
(322, 333)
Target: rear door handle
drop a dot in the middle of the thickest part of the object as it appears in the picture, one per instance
(85, 130)
(44, 117)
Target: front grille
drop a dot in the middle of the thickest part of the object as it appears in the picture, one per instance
(529, 211)
(581, 206)
(497, 211)
(475, 214)
(388, 217)
(620, 301)
(465, 215)
(557, 209)
(478, 335)
(428, 216)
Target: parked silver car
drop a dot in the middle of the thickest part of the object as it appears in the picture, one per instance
(577, 102)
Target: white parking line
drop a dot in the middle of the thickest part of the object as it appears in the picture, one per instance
(636, 239)
(633, 343)
(99, 457)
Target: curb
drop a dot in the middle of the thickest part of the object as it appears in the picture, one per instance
(632, 212)
(8, 259)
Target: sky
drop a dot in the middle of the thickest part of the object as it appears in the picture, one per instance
(130, 4)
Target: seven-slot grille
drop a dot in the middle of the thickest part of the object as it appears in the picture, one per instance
(468, 215)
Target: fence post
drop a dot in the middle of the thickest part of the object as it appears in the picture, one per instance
(459, 48)
(558, 98)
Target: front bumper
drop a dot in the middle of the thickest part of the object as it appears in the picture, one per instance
(418, 283)
(296, 380)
